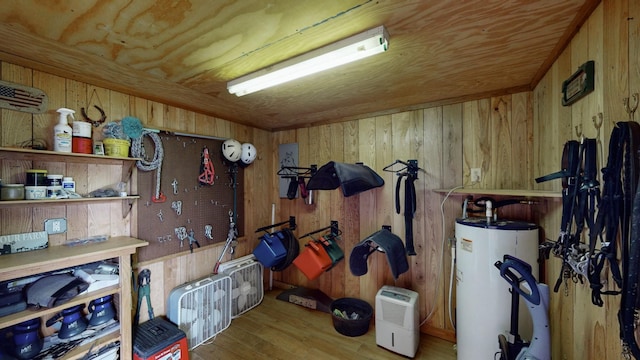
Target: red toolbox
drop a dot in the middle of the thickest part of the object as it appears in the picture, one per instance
(159, 339)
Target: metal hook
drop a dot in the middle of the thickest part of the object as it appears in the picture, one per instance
(579, 131)
(631, 108)
(597, 123)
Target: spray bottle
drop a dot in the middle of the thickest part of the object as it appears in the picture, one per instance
(62, 132)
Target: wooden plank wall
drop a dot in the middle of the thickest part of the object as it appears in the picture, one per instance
(106, 218)
(512, 138)
(581, 330)
(494, 134)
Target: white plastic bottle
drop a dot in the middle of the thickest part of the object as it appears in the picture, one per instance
(68, 184)
(62, 132)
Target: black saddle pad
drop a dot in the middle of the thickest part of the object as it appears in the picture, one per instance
(352, 178)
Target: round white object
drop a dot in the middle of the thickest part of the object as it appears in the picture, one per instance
(232, 150)
(249, 153)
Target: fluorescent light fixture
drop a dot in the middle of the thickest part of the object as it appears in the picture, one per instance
(370, 42)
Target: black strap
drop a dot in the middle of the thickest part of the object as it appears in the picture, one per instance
(410, 206)
(398, 194)
(629, 301)
(292, 190)
(630, 241)
(409, 211)
(571, 166)
(620, 178)
(588, 191)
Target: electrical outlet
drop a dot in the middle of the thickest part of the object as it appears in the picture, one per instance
(476, 175)
(55, 226)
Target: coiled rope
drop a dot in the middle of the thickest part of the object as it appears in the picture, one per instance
(137, 150)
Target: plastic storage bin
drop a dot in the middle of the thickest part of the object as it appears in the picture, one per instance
(159, 339)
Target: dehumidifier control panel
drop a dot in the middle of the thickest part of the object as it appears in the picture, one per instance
(395, 295)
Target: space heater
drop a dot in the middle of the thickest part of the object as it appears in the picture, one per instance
(247, 291)
(201, 308)
(397, 318)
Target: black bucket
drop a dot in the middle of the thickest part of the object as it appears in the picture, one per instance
(350, 327)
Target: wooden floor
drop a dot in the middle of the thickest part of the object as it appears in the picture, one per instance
(276, 329)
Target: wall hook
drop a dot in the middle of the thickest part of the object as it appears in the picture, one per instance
(579, 131)
(631, 108)
(597, 124)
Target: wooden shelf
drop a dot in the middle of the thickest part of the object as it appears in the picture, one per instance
(503, 192)
(19, 265)
(46, 202)
(45, 155)
(13, 319)
(13, 266)
(52, 156)
(80, 351)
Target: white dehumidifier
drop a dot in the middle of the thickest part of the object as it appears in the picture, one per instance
(397, 319)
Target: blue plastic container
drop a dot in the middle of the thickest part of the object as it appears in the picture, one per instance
(270, 251)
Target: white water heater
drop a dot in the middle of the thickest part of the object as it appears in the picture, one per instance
(483, 300)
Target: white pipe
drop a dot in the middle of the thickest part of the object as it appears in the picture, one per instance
(453, 262)
(440, 263)
(488, 212)
(273, 221)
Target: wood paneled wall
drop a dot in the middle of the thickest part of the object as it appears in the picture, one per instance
(107, 218)
(610, 37)
(494, 134)
(512, 138)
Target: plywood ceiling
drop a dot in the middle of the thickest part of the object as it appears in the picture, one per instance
(183, 52)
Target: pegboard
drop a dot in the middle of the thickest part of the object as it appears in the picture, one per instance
(199, 205)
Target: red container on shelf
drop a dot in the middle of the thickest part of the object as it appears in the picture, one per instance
(81, 145)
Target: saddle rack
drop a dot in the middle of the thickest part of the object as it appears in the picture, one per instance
(288, 172)
(335, 230)
(410, 168)
(291, 222)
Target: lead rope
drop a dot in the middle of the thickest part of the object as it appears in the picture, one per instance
(628, 315)
(628, 304)
(137, 150)
(615, 212)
